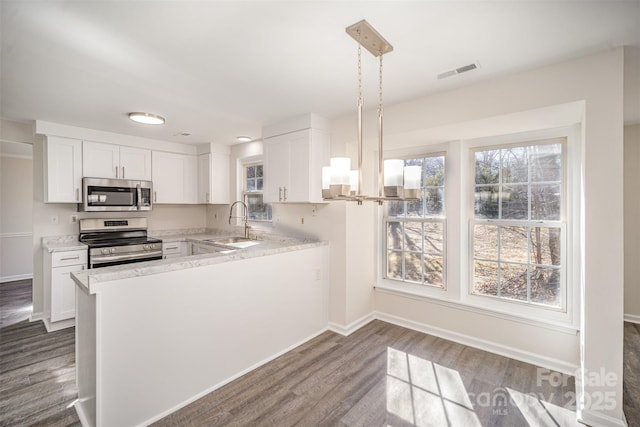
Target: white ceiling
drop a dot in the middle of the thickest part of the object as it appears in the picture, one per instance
(218, 69)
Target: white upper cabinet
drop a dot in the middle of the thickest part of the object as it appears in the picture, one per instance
(101, 160)
(175, 178)
(213, 178)
(63, 170)
(293, 166)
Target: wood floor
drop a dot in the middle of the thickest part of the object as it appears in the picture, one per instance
(380, 375)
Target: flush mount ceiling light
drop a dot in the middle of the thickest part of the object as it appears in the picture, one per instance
(244, 138)
(395, 180)
(147, 118)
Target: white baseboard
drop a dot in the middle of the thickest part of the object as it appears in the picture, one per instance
(511, 352)
(56, 326)
(632, 318)
(15, 277)
(85, 420)
(353, 326)
(596, 419)
(36, 316)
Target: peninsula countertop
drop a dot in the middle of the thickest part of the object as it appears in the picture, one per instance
(269, 245)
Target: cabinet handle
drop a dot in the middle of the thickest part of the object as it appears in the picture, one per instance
(122, 172)
(207, 197)
(171, 247)
(116, 172)
(279, 194)
(77, 194)
(285, 194)
(155, 196)
(70, 258)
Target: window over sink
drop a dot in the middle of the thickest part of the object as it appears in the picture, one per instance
(257, 209)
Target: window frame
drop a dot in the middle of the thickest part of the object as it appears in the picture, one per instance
(460, 180)
(246, 193)
(529, 222)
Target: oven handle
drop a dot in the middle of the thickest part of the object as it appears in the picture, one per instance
(124, 257)
(139, 194)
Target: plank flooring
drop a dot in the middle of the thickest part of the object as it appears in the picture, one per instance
(380, 375)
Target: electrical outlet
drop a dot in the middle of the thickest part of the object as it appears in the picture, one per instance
(54, 220)
(302, 220)
(314, 210)
(73, 219)
(318, 274)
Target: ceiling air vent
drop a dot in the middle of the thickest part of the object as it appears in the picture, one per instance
(458, 70)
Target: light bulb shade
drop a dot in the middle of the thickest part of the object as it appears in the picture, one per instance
(340, 169)
(147, 118)
(393, 173)
(412, 177)
(354, 181)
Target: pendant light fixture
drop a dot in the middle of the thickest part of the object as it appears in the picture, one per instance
(395, 181)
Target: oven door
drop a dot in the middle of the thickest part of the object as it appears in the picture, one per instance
(113, 195)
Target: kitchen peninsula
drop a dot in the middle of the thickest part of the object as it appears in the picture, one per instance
(154, 336)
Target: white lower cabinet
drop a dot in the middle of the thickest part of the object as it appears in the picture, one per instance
(61, 289)
(175, 250)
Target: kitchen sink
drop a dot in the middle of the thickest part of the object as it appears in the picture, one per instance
(234, 242)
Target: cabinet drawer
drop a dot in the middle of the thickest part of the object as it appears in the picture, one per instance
(61, 259)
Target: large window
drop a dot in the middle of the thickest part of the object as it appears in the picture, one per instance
(415, 230)
(517, 230)
(253, 194)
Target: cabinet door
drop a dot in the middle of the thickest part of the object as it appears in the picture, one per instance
(297, 189)
(100, 160)
(135, 163)
(276, 167)
(63, 293)
(63, 170)
(204, 178)
(220, 179)
(174, 177)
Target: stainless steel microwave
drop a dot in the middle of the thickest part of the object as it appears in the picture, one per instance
(114, 195)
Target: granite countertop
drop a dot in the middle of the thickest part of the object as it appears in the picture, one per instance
(268, 245)
(62, 244)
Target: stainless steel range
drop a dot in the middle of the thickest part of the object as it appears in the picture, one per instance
(118, 241)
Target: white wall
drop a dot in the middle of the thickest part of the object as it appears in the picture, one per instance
(16, 185)
(632, 223)
(598, 81)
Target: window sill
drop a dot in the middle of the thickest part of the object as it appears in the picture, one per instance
(388, 288)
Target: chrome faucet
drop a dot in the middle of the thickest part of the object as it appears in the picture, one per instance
(245, 217)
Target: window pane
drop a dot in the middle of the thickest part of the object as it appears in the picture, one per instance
(545, 245)
(413, 236)
(546, 162)
(485, 278)
(395, 209)
(413, 267)
(487, 166)
(394, 265)
(251, 184)
(259, 171)
(414, 208)
(433, 168)
(433, 270)
(515, 202)
(513, 281)
(514, 165)
(545, 202)
(485, 242)
(394, 235)
(513, 244)
(486, 202)
(545, 286)
(251, 172)
(257, 209)
(259, 184)
(433, 238)
(435, 201)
